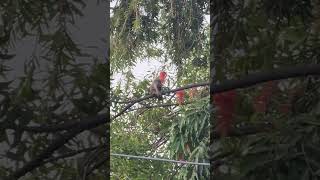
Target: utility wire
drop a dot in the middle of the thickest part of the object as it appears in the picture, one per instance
(159, 159)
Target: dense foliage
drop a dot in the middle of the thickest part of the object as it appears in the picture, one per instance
(252, 36)
(44, 103)
(176, 34)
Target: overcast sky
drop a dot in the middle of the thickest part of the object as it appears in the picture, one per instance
(90, 31)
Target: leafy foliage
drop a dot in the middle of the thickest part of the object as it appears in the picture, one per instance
(55, 89)
(175, 34)
(153, 28)
(258, 35)
(190, 137)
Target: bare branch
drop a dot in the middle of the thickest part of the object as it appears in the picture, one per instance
(58, 127)
(73, 153)
(269, 75)
(101, 162)
(245, 130)
(53, 146)
(133, 102)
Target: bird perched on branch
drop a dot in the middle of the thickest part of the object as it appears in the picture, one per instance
(157, 84)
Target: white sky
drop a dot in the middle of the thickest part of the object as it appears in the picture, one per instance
(146, 67)
(143, 70)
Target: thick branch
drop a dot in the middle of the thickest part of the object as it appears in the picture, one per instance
(156, 106)
(133, 102)
(56, 144)
(57, 127)
(39, 160)
(246, 130)
(73, 153)
(270, 75)
(101, 162)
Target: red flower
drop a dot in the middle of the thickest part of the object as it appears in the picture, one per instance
(193, 92)
(162, 76)
(225, 102)
(180, 96)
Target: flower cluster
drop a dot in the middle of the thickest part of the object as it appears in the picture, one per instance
(225, 103)
(180, 96)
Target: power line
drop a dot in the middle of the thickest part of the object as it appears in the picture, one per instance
(159, 159)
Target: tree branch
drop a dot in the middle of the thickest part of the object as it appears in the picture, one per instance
(73, 153)
(270, 75)
(156, 106)
(101, 162)
(133, 102)
(57, 127)
(39, 160)
(54, 145)
(248, 129)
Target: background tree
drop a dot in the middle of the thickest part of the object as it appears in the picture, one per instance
(60, 93)
(275, 130)
(174, 34)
